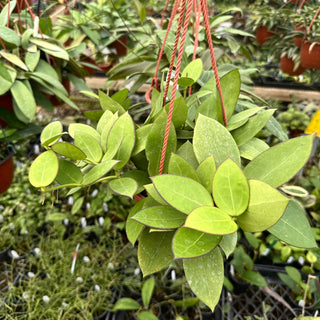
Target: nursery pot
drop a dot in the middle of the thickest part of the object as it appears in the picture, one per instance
(120, 45)
(263, 34)
(6, 173)
(299, 40)
(310, 56)
(5, 102)
(287, 66)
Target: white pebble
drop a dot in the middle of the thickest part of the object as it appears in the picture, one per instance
(88, 205)
(110, 266)
(45, 299)
(66, 221)
(36, 149)
(70, 201)
(301, 303)
(79, 279)
(136, 271)
(173, 275)
(86, 259)
(290, 259)
(14, 254)
(301, 260)
(31, 274)
(94, 193)
(83, 222)
(105, 207)
(36, 251)
(64, 304)
(25, 295)
(97, 287)
(101, 221)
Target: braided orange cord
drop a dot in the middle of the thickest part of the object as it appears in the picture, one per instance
(300, 6)
(213, 60)
(313, 20)
(163, 12)
(175, 83)
(155, 80)
(174, 50)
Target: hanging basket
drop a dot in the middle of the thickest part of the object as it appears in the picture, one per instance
(287, 66)
(310, 56)
(6, 173)
(299, 40)
(263, 34)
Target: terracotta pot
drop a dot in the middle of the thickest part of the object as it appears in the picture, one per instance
(120, 45)
(5, 102)
(310, 59)
(299, 40)
(89, 69)
(263, 34)
(287, 66)
(6, 173)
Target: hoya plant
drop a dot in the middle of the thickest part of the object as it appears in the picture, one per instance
(214, 178)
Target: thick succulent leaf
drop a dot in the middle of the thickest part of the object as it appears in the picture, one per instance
(106, 130)
(188, 243)
(294, 228)
(69, 150)
(205, 277)
(98, 171)
(241, 118)
(252, 148)
(123, 130)
(126, 304)
(230, 188)
(187, 153)
(228, 243)
(155, 143)
(179, 166)
(50, 48)
(73, 127)
(206, 172)
(14, 59)
(32, 59)
(192, 71)
(50, 131)
(133, 228)
(103, 120)
(184, 194)
(154, 251)
(7, 78)
(124, 186)
(180, 112)
(108, 103)
(160, 217)
(141, 138)
(68, 173)
(24, 103)
(266, 207)
(89, 145)
(211, 220)
(252, 127)
(281, 162)
(44, 169)
(212, 138)
(152, 192)
(10, 36)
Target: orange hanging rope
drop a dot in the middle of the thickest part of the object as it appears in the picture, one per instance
(163, 12)
(155, 80)
(300, 6)
(175, 84)
(213, 60)
(313, 20)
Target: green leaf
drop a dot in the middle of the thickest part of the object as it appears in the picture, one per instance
(123, 129)
(160, 217)
(141, 10)
(141, 138)
(252, 127)
(242, 117)
(120, 96)
(53, 129)
(126, 304)
(133, 228)
(106, 130)
(146, 315)
(188, 243)
(88, 145)
(93, 115)
(252, 148)
(228, 243)
(140, 176)
(10, 36)
(108, 103)
(84, 128)
(294, 274)
(294, 228)
(179, 166)
(14, 60)
(69, 150)
(281, 162)
(211, 220)
(50, 48)
(124, 186)
(266, 206)
(211, 138)
(68, 173)
(4, 12)
(186, 152)
(104, 120)
(179, 113)
(44, 68)
(184, 194)
(154, 194)
(192, 71)
(44, 169)
(32, 59)
(25, 106)
(154, 251)
(205, 277)
(146, 291)
(255, 278)
(7, 78)
(206, 172)
(98, 171)
(155, 142)
(230, 188)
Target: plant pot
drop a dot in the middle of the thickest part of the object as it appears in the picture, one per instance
(5, 102)
(310, 59)
(287, 66)
(120, 45)
(299, 40)
(88, 60)
(6, 173)
(263, 34)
